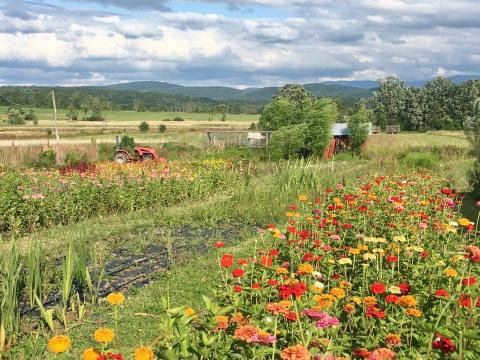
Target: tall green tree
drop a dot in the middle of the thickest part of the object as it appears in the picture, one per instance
(296, 94)
(472, 129)
(277, 114)
(358, 128)
(319, 122)
(440, 104)
(389, 101)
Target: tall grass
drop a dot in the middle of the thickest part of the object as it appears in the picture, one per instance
(11, 287)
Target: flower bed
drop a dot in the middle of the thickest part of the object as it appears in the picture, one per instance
(33, 199)
(387, 270)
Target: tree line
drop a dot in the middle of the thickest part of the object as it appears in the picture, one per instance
(95, 100)
(438, 105)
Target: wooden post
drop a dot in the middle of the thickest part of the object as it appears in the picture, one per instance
(55, 117)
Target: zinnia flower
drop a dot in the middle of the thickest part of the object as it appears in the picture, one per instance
(91, 354)
(377, 288)
(327, 321)
(296, 352)
(393, 340)
(226, 261)
(246, 333)
(59, 344)
(444, 344)
(115, 298)
(382, 354)
(143, 353)
(238, 272)
(104, 335)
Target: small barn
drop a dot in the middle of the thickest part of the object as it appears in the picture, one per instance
(341, 139)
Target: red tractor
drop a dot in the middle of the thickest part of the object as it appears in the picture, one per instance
(141, 154)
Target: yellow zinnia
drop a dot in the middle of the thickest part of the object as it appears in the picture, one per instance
(464, 222)
(91, 354)
(305, 269)
(115, 298)
(449, 272)
(104, 335)
(143, 353)
(59, 344)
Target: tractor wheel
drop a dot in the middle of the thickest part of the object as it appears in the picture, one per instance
(147, 157)
(121, 158)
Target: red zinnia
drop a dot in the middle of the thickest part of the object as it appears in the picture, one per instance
(291, 316)
(392, 259)
(219, 244)
(442, 293)
(238, 272)
(256, 286)
(391, 299)
(469, 281)
(227, 261)
(405, 288)
(266, 261)
(373, 311)
(465, 300)
(237, 289)
(273, 282)
(274, 252)
(443, 343)
(377, 288)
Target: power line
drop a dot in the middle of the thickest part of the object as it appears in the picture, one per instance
(20, 105)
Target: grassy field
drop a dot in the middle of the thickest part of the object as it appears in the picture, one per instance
(132, 117)
(189, 229)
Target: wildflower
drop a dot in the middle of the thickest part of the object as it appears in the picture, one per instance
(391, 299)
(413, 312)
(405, 288)
(290, 315)
(442, 293)
(246, 333)
(449, 272)
(91, 354)
(222, 322)
(59, 344)
(273, 282)
(110, 356)
(345, 261)
(377, 288)
(399, 238)
(226, 261)
(394, 290)
(349, 308)
(369, 256)
(305, 269)
(237, 289)
(143, 353)
(473, 253)
(281, 270)
(469, 281)
(393, 340)
(464, 222)
(327, 321)
(276, 308)
(392, 259)
(382, 354)
(104, 335)
(373, 311)
(369, 300)
(444, 344)
(219, 244)
(264, 338)
(189, 312)
(302, 198)
(115, 298)
(296, 352)
(266, 261)
(238, 272)
(361, 353)
(338, 293)
(407, 301)
(465, 300)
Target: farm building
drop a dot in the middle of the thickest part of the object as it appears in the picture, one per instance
(341, 139)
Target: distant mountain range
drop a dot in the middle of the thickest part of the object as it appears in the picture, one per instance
(340, 89)
(255, 95)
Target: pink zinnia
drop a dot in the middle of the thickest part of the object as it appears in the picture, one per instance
(327, 321)
(264, 339)
(313, 314)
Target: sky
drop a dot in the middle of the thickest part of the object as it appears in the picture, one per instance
(235, 43)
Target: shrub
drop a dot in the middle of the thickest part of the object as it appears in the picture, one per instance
(253, 126)
(319, 126)
(420, 160)
(178, 119)
(31, 116)
(127, 143)
(73, 158)
(15, 117)
(358, 128)
(289, 142)
(162, 128)
(46, 159)
(106, 152)
(472, 129)
(277, 114)
(144, 127)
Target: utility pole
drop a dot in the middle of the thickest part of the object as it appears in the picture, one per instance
(55, 117)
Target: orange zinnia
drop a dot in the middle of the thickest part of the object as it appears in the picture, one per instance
(297, 352)
(246, 333)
